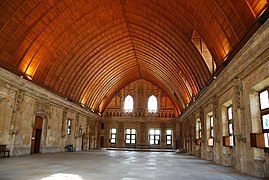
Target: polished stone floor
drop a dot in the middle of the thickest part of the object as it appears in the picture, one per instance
(110, 165)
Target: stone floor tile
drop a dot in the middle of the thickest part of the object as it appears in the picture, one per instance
(114, 165)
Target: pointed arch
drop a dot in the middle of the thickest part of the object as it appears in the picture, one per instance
(128, 104)
(152, 104)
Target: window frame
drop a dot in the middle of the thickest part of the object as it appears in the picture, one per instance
(69, 126)
(156, 136)
(124, 104)
(211, 126)
(264, 112)
(230, 121)
(168, 135)
(229, 140)
(200, 129)
(112, 136)
(198, 132)
(131, 135)
(102, 125)
(210, 141)
(153, 110)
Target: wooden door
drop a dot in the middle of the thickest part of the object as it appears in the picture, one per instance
(36, 135)
(83, 141)
(37, 140)
(102, 141)
(90, 142)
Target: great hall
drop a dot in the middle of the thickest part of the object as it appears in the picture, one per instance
(137, 79)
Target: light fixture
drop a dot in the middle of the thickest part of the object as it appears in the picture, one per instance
(29, 77)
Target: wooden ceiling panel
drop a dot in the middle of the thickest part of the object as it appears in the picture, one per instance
(88, 50)
(92, 71)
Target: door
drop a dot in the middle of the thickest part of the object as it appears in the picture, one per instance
(178, 144)
(102, 141)
(90, 142)
(37, 140)
(83, 141)
(36, 135)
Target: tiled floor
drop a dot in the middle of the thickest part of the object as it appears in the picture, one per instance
(110, 165)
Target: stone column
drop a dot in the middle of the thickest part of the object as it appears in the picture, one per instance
(143, 134)
(163, 136)
(16, 115)
(203, 132)
(239, 127)
(217, 130)
(63, 130)
(120, 135)
(191, 133)
(76, 130)
(88, 135)
(178, 137)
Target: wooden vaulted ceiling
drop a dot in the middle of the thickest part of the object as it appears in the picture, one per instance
(87, 50)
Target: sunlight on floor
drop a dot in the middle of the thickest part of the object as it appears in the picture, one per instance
(61, 176)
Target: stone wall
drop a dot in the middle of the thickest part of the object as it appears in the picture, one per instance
(21, 102)
(238, 86)
(140, 119)
(142, 127)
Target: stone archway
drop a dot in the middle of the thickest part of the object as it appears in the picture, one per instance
(43, 111)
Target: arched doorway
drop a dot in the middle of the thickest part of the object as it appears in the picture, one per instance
(36, 135)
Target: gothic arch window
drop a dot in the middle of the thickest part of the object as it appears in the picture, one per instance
(152, 104)
(128, 104)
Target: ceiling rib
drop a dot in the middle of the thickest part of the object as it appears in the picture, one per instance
(131, 40)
